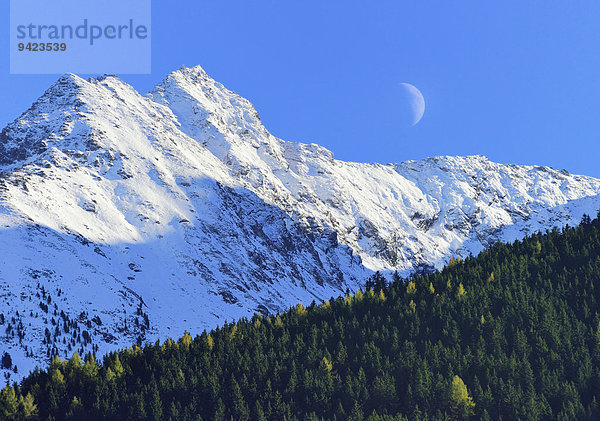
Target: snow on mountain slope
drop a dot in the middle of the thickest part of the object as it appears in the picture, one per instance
(126, 217)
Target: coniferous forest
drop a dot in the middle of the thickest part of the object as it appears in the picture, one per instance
(513, 334)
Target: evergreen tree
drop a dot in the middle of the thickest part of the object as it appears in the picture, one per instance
(460, 402)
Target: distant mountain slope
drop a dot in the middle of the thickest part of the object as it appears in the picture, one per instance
(129, 217)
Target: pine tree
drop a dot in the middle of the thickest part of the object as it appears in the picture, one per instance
(6, 361)
(9, 403)
(461, 290)
(259, 414)
(219, 411)
(461, 403)
(155, 408)
(137, 411)
(357, 413)
(239, 408)
(75, 409)
(27, 406)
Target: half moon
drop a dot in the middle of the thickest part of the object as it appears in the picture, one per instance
(416, 102)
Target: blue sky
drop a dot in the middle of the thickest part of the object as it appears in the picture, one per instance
(518, 81)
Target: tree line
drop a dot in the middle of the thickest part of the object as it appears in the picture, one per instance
(511, 334)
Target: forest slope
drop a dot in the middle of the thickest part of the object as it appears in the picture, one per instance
(511, 334)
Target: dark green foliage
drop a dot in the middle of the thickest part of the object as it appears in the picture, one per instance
(6, 361)
(512, 334)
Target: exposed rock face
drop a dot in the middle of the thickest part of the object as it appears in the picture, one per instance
(125, 216)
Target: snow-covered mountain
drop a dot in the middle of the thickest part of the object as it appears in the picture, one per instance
(126, 217)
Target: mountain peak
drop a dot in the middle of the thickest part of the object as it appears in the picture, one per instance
(65, 89)
(185, 77)
(70, 78)
(204, 108)
(197, 70)
(74, 115)
(28, 135)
